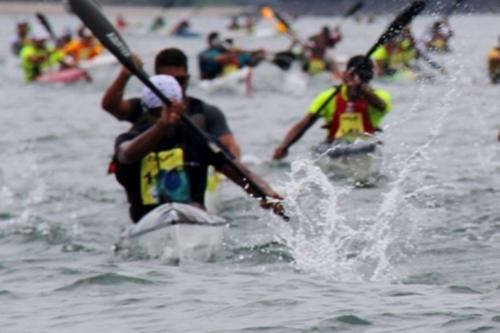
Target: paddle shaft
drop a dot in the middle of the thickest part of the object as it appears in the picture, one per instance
(45, 22)
(93, 18)
(393, 30)
(454, 7)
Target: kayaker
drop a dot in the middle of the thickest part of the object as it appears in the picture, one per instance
(216, 59)
(37, 57)
(437, 38)
(395, 55)
(316, 50)
(161, 160)
(85, 47)
(357, 108)
(172, 62)
(494, 63)
(20, 38)
(183, 29)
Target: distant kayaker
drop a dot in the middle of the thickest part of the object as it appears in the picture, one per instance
(215, 59)
(37, 57)
(437, 38)
(85, 47)
(162, 160)
(395, 55)
(494, 63)
(357, 108)
(317, 47)
(20, 38)
(222, 57)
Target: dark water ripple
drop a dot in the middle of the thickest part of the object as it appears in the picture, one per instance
(105, 279)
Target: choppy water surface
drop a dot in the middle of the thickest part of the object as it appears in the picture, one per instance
(418, 252)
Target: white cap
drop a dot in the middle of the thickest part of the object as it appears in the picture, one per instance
(168, 85)
(40, 33)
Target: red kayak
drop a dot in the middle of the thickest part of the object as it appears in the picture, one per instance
(65, 76)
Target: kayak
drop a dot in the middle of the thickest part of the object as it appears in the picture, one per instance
(405, 75)
(177, 231)
(237, 81)
(186, 34)
(98, 62)
(63, 76)
(359, 158)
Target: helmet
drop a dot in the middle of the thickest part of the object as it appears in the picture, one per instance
(362, 67)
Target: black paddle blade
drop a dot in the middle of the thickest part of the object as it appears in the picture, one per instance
(45, 22)
(354, 9)
(93, 18)
(401, 21)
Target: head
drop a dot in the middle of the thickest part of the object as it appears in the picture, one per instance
(168, 86)
(173, 62)
(362, 67)
(22, 28)
(325, 31)
(39, 36)
(213, 39)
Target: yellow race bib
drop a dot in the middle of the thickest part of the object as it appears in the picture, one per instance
(163, 174)
(350, 123)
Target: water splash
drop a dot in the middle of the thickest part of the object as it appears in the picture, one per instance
(322, 238)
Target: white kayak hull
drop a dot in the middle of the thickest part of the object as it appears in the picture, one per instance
(177, 231)
(360, 160)
(236, 82)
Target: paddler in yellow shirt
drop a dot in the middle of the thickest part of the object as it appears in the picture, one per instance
(356, 109)
(396, 56)
(37, 57)
(494, 64)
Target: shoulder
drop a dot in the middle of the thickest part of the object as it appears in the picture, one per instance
(320, 99)
(199, 106)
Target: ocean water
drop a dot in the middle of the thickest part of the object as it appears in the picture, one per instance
(416, 252)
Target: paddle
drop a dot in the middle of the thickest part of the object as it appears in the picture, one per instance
(45, 23)
(453, 8)
(93, 18)
(282, 24)
(392, 31)
(354, 9)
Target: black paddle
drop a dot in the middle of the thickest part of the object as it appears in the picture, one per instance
(392, 31)
(354, 9)
(93, 18)
(45, 22)
(453, 8)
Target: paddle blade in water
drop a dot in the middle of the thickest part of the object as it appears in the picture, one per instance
(401, 21)
(354, 9)
(267, 13)
(280, 27)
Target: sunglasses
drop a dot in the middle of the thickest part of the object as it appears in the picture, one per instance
(182, 79)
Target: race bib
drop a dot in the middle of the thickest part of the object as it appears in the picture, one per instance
(163, 178)
(350, 123)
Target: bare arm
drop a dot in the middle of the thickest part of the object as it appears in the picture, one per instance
(293, 135)
(372, 98)
(272, 199)
(135, 149)
(229, 141)
(113, 101)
